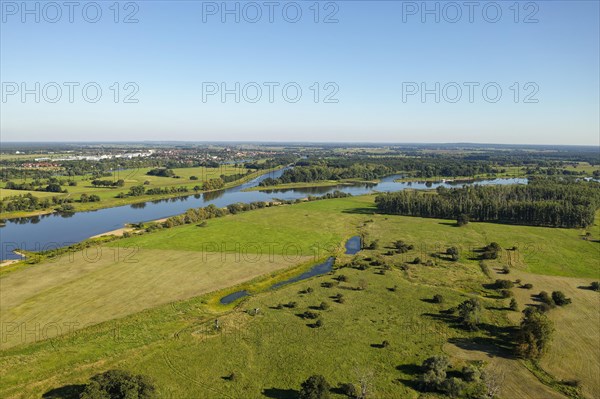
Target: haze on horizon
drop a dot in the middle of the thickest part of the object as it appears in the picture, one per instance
(370, 72)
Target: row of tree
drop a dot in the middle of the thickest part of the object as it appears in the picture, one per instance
(548, 204)
(29, 202)
(314, 173)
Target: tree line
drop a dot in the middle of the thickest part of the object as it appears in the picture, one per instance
(323, 172)
(543, 202)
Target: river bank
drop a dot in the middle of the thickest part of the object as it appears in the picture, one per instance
(117, 202)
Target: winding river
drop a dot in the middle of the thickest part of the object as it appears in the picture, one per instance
(56, 230)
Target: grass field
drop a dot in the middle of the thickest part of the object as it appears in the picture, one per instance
(132, 177)
(157, 315)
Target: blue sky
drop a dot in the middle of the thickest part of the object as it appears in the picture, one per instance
(371, 57)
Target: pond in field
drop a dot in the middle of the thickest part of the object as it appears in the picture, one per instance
(321, 268)
(353, 245)
(56, 230)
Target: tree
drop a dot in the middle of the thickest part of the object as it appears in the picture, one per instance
(119, 384)
(469, 313)
(462, 220)
(545, 298)
(560, 298)
(434, 372)
(136, 191)
(595, 286)
(534, 335)
(503, 284)
(514, 305)
(315, 387)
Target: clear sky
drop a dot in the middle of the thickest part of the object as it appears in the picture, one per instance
(370, 66)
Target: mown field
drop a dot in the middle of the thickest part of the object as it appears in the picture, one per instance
(156, 315)
(132, 177)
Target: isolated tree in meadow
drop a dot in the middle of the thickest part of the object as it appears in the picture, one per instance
(434, 372)
(462, 220)
(469, 313)
(560, 298)
(315, 387)
(534, 335)
(119, 384)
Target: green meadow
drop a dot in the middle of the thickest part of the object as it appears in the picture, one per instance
(149, 304)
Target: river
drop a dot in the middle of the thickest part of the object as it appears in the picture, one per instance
(56, 230)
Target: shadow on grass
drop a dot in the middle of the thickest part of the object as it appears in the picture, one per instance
(361, 211)
(453, 224)
(587, 287)
(412, 370)
(278, 393)
(65, 392)
(494, 340)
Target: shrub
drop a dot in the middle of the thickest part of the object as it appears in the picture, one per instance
(453, 387)
(315, 387)
(324, 306)
(385, 344)
(506, 293)
(560, 298)
(471, 373)
(503, 284)
(506, 269)
(292, 305)
(327, 284)
(416, 261)
(310, 315)
(453, 252)
(527, 286)
(544, 297)
(342, 278)
(514, 305)
(595, 286)
(437, 298)
(319, 323)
